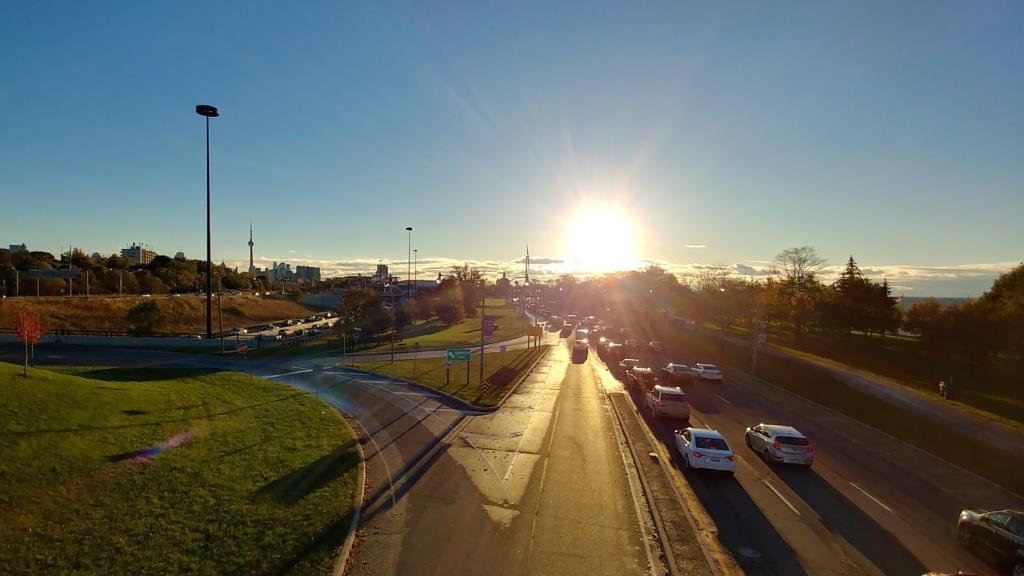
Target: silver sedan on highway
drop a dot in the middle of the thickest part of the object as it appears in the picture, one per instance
(778, 443)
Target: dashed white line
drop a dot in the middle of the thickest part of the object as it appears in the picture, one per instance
(781, 497)
(876, 500)
(723, 399)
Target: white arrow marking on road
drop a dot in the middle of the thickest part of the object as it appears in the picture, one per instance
(723, 399)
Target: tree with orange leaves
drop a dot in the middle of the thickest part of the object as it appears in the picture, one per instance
(30, 327)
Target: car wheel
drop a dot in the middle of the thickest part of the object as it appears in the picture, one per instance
(686, 462)
(746, 439)
(965, 537)
(767, 457)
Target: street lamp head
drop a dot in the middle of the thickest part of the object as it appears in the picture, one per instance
(409, 228)
(208, 111)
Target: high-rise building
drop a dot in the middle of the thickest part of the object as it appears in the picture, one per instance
(307, 274)
(139, 254)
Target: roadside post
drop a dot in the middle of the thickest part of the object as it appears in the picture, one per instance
(459, 355)
(415, 356)
(503, 349)
(447, 373)
(317, 370)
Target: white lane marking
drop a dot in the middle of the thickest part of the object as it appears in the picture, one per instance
(723, 399)
(272, 376)
(876, 500)
(781, 497)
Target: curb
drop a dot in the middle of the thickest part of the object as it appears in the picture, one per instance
(346, 549)
(468, 406)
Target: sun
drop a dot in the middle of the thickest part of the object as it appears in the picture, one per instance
(600, 240)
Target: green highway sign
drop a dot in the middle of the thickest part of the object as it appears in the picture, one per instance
(458, 354)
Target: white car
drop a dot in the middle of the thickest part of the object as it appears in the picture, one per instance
(238, 331)
(706, 371)
(668, 401)
(678, 372)
(777, 443)
(656, 346)
(707, 449)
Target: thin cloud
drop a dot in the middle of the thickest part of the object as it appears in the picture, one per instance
(694, 245)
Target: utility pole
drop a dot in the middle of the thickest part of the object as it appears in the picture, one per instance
(757, 337)
(483, 321)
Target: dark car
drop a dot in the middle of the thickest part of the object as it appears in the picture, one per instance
(580, 351)
(998, 534)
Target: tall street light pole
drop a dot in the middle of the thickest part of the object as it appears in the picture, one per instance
(208, 112)
(408, 262)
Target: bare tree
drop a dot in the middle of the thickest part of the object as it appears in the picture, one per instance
(798, 267)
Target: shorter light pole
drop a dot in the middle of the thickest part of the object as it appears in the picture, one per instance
(415, 270)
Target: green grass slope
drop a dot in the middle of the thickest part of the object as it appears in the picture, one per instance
(110, 471)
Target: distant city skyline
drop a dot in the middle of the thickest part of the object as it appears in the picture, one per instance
(968, 281)
(599, 133)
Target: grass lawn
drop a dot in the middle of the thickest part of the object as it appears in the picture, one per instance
(501, 372)
(111, 471)
(429, 335)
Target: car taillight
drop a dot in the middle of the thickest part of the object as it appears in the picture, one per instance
(810, 447)
(778, 445)
(732, 458)
(688, 405)
(659, 403)
(697, 454)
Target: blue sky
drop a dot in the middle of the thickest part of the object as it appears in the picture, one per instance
(721, 133)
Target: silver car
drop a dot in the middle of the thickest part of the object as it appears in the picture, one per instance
(778, 443)
(666, 401)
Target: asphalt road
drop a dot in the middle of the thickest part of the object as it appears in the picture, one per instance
(539, 487)
(870, 504)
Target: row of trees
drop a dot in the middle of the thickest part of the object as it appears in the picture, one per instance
(370, 313)
(795, 301)
(116, 275)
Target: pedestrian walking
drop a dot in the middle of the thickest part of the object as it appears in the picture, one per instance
(942, 389)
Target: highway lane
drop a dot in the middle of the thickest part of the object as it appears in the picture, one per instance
(875, 504)
(539, 487)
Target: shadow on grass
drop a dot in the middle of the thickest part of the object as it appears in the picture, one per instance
(151, 423)
(326, 543)
(144, 374)
(292, 488)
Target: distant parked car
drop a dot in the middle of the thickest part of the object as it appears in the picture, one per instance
(238, 331)
(778, 443)
(656, 346)
(678, 372)
(999, 533)
(703, 448)
(706, 371)
(666, 401)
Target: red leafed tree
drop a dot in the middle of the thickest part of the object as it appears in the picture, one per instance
(30, 327)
